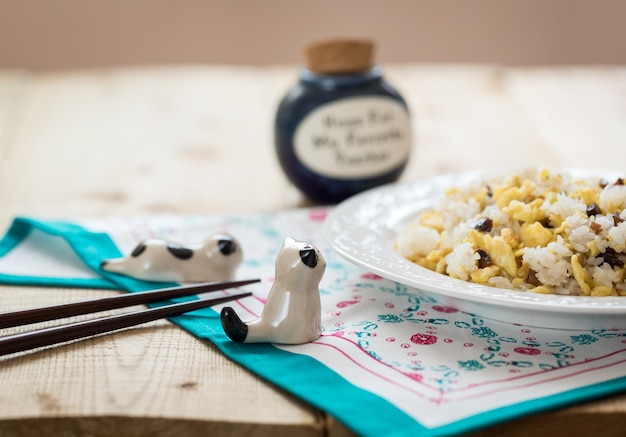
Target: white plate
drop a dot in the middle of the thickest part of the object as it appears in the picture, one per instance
(362, 229)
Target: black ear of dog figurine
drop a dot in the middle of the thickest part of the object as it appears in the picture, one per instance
(292, 312)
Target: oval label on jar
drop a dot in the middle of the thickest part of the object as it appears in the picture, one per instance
(354, 138)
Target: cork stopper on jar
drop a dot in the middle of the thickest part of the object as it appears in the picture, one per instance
(341, 56)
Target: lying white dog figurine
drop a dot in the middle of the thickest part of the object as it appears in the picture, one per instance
(292, 312)
(216, 259)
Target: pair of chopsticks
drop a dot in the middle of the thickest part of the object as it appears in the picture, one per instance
(73, 331)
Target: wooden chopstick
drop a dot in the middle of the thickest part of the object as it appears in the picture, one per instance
(59, 334)
(34, 315)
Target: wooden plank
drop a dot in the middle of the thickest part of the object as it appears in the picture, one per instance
(12, 82)
(578, 113)
(147, 142)
(606, 417)
(465, 120)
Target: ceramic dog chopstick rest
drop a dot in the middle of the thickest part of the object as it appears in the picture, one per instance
(292, 312)
(216, 259)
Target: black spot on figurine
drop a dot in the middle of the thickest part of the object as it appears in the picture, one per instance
(236, 330)
(308, 257)
(180, 252)
(141, 247)
(227, 246)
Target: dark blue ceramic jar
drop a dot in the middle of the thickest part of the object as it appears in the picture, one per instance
(339, 134)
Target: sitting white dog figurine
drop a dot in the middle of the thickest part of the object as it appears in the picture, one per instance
(216, 259)
(292, 312)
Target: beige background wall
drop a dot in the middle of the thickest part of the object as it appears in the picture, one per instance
(58, 34)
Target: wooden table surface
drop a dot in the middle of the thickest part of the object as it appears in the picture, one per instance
(167, 140)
